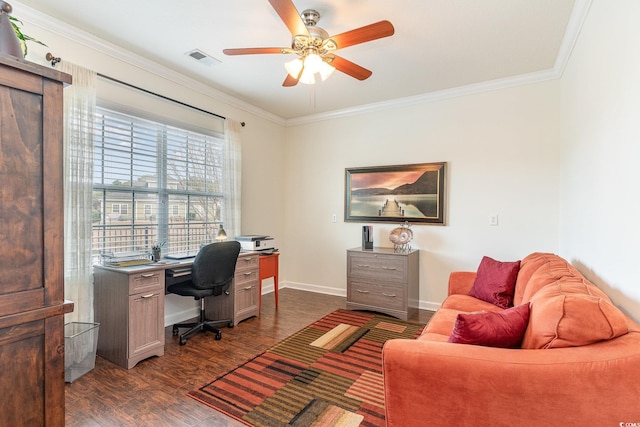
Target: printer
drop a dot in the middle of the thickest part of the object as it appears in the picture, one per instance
(254, 242)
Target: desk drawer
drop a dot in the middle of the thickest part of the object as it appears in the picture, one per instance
(247, 262)
(146, 282)
(242, 277)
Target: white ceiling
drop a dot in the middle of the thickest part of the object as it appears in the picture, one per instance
(438, 45)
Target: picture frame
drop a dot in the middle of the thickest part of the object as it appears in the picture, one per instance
(399, 193)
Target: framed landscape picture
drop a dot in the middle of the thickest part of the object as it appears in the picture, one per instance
(413, 193)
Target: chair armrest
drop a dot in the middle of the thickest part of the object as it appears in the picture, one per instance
(461, 282)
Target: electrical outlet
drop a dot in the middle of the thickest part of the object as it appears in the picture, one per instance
(493, 219)
(334, 218)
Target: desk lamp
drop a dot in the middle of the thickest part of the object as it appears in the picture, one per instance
(222, 235)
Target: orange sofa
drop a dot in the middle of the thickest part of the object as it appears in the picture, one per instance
(578, 364)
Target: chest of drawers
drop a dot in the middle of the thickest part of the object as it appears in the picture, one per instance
(384, 281)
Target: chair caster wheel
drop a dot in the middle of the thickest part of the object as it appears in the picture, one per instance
(219, 336)
(231, 324)
(175, 330)
(183, 341)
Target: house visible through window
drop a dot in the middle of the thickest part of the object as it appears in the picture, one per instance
(154, 183)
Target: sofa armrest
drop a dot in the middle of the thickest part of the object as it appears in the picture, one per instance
(457, 384)
(461, 282)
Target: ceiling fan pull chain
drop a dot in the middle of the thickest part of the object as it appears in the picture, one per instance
(312, 96)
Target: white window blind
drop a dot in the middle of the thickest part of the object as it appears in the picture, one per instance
(154, 184)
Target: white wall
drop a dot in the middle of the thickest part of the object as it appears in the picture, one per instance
(600, 173)
(502, 154)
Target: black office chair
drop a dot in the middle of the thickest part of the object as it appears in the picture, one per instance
(211, 275)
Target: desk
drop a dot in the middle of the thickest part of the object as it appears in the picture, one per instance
(269, 268)
(129, 305)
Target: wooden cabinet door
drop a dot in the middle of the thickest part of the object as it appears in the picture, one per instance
(146, 322)
(246, 299)
(31, 245)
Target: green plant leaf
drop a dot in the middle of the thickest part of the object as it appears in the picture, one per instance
(22, 38)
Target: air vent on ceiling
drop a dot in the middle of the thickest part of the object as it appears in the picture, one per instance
(202, 57)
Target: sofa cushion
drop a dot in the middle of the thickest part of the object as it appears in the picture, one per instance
(538, 270)
(572, 312)
(493, 329)
(528, 266)
(495, 282)
(442, 322)
(432, 336)
(468, 304)
(553, 270)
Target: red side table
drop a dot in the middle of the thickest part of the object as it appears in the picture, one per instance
(269, 268)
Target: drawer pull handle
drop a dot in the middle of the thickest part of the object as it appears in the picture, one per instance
(147, 275)
(147, 296)
(361, 291)
(247, 288)
(363, 265)
(248, 259)
(389, 268)
(248, 274)
(389, 295)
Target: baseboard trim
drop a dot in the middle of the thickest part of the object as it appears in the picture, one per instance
(184, 315)
(314, 288)
(181, 316)
(423, 305)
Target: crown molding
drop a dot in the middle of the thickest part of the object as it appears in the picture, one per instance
(574, 26)
(67, 31)
(429, 97)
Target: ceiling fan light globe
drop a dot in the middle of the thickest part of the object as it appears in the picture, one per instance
(326, 70)
(307, 77)
(313, 63)
(294, 67)
(307, 70)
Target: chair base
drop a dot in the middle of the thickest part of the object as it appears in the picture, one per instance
(202, 325)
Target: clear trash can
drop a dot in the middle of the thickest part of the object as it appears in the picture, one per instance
(80, 344)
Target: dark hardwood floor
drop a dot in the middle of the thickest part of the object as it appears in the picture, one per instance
(154, 392)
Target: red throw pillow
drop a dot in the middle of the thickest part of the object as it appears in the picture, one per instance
(492, 329)
(496, 282)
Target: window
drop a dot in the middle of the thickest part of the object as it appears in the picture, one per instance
(154, 183)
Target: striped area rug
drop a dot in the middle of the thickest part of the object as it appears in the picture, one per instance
(327, 374)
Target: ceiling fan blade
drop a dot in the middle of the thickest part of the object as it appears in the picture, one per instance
(348, 67)
(290, 16)
(364, 34)
(290, 81)
(252, 50)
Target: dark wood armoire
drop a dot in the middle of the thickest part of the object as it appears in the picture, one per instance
(32, 304)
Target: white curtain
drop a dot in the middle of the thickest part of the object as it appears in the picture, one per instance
(233, 179)
(79, 112)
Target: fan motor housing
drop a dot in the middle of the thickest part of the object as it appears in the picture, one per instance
(310, 17)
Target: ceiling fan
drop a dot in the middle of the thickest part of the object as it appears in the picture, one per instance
(314, 47)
